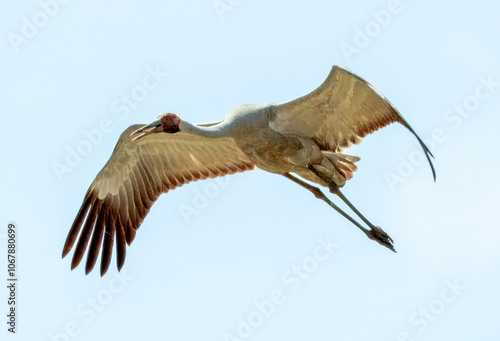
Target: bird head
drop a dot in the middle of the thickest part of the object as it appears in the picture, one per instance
(166, 123)
(170, 122)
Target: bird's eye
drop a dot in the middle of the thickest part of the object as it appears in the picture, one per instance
(169, 118)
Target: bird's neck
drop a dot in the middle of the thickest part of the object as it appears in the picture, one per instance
(215, 131)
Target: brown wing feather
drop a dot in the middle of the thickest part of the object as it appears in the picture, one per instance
(340, 112)
(137, 173)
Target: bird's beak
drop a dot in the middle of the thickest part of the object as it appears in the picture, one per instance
(147, 129)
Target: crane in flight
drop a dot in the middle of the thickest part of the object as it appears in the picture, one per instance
(304, 136)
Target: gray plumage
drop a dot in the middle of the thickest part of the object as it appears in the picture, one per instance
(304, 136)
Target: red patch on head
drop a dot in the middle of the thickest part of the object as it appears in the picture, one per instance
(170, 123)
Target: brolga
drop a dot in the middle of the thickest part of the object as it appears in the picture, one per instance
(302, 138)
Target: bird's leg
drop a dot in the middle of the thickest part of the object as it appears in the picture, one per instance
(320, 195)
(376, 233)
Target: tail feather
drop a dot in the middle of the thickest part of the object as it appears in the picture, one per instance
(343, 163)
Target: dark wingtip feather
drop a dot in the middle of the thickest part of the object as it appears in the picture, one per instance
(120, 243)
(86, 233)
(432, 167)
(120, 265)
(95, 243)
(107, 248)
(77, 224)
(427, 152)
(428, 155)
(73, 266)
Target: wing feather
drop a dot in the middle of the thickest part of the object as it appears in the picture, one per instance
(121, 243)
(340, 112)
(96, 241)
(137, 173)
(109, 236)
(86, 233)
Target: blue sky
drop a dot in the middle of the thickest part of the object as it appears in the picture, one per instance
(256, 257)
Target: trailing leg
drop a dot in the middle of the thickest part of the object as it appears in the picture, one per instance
(375, 232)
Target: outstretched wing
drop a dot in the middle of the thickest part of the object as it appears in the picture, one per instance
(133, 178)
(341, 111)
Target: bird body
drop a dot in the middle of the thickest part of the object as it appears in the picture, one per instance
(267, 149)
(304, 136)
(249, 126)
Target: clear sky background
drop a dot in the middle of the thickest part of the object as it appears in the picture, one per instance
(219, 260)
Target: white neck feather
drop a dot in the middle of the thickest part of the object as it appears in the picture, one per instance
(214, 131)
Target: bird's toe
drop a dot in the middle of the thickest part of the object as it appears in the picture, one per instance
(381, 237)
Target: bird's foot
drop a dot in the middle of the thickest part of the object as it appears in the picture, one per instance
(381, 237)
